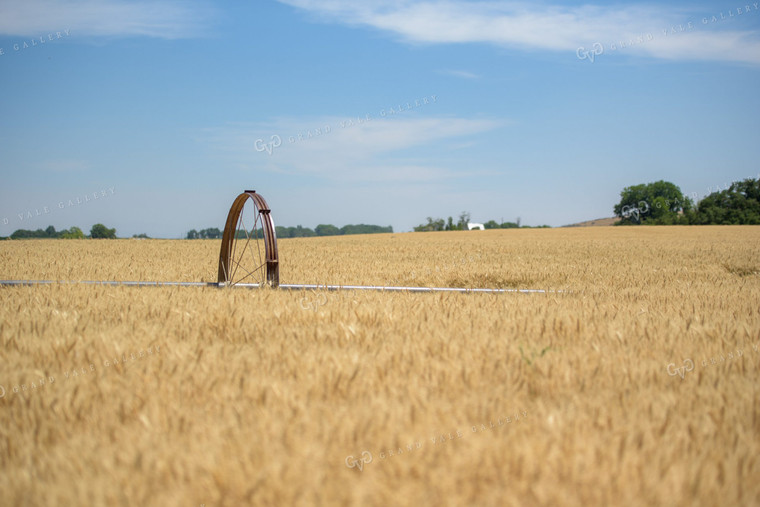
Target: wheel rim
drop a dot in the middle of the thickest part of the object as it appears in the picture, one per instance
(249, 243)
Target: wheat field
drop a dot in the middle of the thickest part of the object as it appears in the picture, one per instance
(637, 384)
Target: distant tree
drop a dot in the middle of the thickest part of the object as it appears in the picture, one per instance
(23, 234)
(73, 233)
(294, 232)
(210, 233)
(141, 236)
(364, 229)
(510, 225)
(302, 232)
(654, 203)
(464, 218)
(431, 225)
(193, 234)
(739, 204)
(50, 232)
(327, 230)
(100, 231)
(243, 234)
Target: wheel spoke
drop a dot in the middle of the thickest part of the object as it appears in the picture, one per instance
(234, 247)
(257, 273)
(258, 280)
(248, 238)
(258, 246)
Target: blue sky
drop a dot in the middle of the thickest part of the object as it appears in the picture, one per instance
(366, 112)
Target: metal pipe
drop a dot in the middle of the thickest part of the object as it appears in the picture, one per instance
(283, 286)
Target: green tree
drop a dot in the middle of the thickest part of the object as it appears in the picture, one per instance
(100, 231)
(193, 234)
(654, 203)
(210, 233)
(464, 218)
(49, 232)
(327, 230)
(240, 234)
(302, 232)
(73, 233)
(739, 204)
(24, 234)
(364, 229)
(491, 224)
(431, 225)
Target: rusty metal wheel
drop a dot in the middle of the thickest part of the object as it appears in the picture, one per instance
(249, 244)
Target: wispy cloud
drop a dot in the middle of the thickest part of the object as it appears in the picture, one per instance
(546, 27)
(164, 19)
(390, 149)
(460, 73)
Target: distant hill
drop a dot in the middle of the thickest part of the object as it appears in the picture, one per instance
(595, 223)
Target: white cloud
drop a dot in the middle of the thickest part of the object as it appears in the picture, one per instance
(382, 149)
(696, 45)
(460, 73)
(166, 19)
(548, 27)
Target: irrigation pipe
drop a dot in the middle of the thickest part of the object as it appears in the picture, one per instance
(284, 286)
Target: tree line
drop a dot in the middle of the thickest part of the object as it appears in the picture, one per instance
(297, 232)
(98, 231)
(439, 224)
(657, 203)
(663, 203)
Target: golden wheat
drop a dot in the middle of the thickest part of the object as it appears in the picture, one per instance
(190, 396)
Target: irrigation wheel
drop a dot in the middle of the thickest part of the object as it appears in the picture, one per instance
(241, 260)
